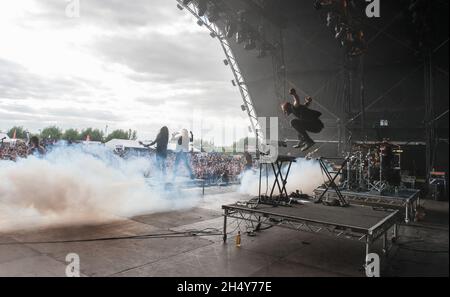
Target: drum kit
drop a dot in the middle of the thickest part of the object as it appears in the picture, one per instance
(372, 167)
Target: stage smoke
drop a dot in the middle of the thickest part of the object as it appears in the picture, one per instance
(305, 176)
(81, 184)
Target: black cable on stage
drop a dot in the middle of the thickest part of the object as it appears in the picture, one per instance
(144, 236)
(187, 233)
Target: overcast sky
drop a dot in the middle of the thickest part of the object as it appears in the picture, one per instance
(134, 65)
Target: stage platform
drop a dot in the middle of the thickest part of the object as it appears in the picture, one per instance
(406, 199)
(354, 222)
(272, 252)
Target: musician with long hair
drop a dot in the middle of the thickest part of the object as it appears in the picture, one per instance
(161, 141)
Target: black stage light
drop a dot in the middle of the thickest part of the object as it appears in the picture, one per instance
(230, 29)
(250, 44)
(243, 107)
(180, 7)
(262, 53)
(330, 19)
(186, 2)
(225, 62)
(242, 33)
(240, 37)
(202, 7)
(339, 32)
(317, 4)
(214, 14)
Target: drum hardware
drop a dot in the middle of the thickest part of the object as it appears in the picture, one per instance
(372, 167)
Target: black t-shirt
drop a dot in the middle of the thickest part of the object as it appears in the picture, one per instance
(304, 113)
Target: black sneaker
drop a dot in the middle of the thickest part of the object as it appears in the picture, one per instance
(299, 145)
(308, 145)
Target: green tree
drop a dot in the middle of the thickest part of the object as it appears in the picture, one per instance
(94, 134)
(71, 134)
(118, 134)
(20, 132)
(51, 132)
(133, 135)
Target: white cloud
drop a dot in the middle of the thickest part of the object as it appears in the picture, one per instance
(126, 64)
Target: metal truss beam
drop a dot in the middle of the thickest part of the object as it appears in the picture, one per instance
(367, 236)
(298, 225)
(409, 204)
(239, 80)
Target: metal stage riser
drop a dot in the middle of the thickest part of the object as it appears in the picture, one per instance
(300, 226)
(368, 236)
(408, 204)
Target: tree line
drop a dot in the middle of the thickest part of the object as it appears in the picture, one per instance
(56, 133)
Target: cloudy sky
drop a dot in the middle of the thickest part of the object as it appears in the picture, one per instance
(134, 64)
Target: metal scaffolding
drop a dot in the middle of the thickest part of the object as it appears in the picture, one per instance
(239, 80)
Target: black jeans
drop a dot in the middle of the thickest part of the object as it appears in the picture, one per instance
(303, 127)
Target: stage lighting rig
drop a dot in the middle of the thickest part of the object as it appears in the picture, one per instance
(213, 14)
(240, 36)
(243, 27)
(202, 6)
(358, 45)
(331, 19)
(261, 53)
(230, 29)
(346, 31)
(250, 43)
(242, 33)
(319, 4)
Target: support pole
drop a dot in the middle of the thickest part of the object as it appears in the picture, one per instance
(362, 97)
(385, 247)
(225, 215)
(368, 245)
(429, 114)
